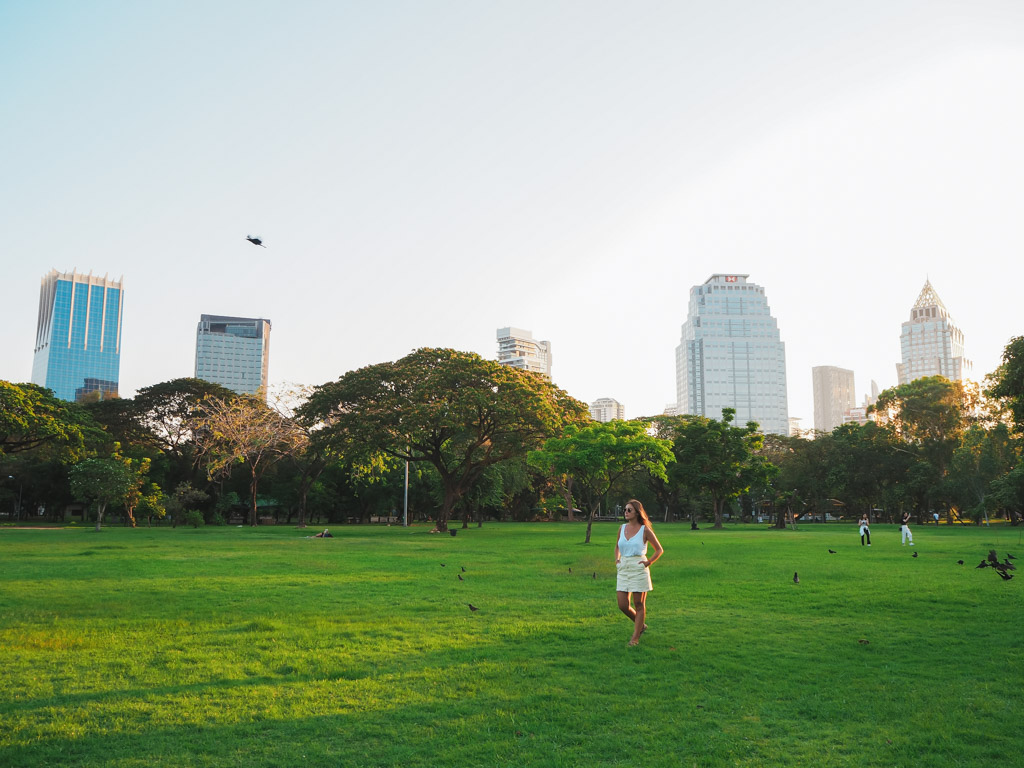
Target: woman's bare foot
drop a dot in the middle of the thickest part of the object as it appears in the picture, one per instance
(633, 642)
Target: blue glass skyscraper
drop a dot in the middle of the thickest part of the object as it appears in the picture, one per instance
(78, 336)
(731, 356)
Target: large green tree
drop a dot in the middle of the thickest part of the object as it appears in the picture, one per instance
(452, 410)
(598, 455)
(1007, 382)
(31, 417)
(719, 459)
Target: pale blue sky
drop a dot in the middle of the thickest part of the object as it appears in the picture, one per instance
(426, 172)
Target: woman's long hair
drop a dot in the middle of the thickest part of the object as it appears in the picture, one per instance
(641, 514)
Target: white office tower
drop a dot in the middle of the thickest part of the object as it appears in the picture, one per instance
(731, 355)
(834, 395)
(233, 352)
(607, 409)
(519, 349)
(930, 343)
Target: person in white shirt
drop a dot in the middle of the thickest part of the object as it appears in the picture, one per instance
(632, 565)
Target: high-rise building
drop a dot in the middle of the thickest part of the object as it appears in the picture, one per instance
(930, 342)
(519, 349)
(834, 395)
(233, 352)
(78, 335)
(607, 409)
(731, 355)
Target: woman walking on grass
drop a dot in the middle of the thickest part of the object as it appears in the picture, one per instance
(865, 529)
(632, 565)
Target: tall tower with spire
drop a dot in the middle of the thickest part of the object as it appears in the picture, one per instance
(931, 344)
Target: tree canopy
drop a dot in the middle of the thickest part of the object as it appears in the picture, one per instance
(452, 410)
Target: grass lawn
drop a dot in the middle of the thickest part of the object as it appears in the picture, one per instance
(239, 647)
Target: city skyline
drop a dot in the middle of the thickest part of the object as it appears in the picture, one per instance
(573, 171)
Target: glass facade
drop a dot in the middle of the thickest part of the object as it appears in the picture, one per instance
(519, 349)
(233, 352)
(930, 342)
(834, 396)
(731, 355)
(78, 336)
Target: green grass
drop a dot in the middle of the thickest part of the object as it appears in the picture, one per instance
(239, 647)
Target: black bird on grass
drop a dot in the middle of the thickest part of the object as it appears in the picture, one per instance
(959, 562)
(460, 576)
(796, 579)
(472, 607)
(442, 565)
(1010, 557)
(570, 570)
(255, 241)
(914, 555)
(831, 551)
(1002, 568)
(463, 568)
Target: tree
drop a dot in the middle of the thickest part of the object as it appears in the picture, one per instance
(31, 417)
(452, 410)
(929, 416)
(245, 430)
(599, 455)
(101, 481)
(717, 458)
(1007, 382)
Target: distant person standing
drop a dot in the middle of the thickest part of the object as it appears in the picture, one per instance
(935, 515)
(905, 533)
(865, 531)
(633, 576)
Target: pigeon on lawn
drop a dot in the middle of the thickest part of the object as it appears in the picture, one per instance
(831, 551)
(472, 607)
(255, 241)
(796, 579)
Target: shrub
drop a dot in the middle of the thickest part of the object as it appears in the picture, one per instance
(194, 518)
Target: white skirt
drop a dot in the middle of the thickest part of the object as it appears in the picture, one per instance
(632, 576)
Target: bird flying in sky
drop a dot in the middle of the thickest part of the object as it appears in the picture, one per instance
(255, 241)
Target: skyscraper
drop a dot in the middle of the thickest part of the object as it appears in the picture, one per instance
(930, 342)
(607, 409)
(519, 349)
(834, 395)
(233, 352)
(731, 355)
(78, 335)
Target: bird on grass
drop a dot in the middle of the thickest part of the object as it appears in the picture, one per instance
(460, 576)
(595, 575)
(1002, 568)
(472, 607)
(570, 570)
(463, 568)
(255, 241)
(442, 565)
(796, 579)
(914, 555)
(1010, 557)
(831, 551)
(959, 562)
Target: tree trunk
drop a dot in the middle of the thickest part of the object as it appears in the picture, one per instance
(100, 509)
(590, 521)
(252, 508)
(567, 493)
(717, 504)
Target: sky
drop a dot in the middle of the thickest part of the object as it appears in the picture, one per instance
(424, 173)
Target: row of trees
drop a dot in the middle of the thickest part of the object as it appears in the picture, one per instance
(484, 439)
